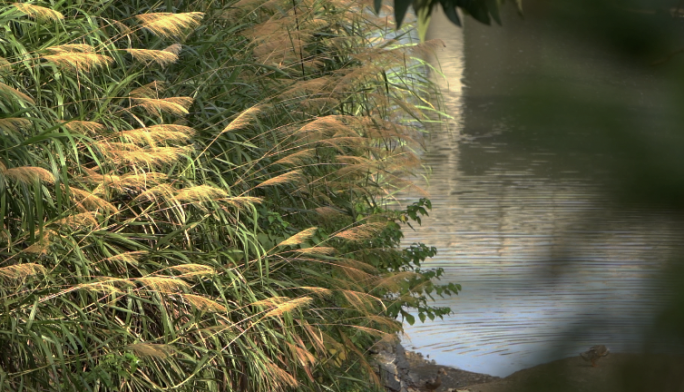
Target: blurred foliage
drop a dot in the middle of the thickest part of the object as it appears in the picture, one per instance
(625, 129)
(483, 11)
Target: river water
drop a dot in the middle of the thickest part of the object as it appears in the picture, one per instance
(550, 264)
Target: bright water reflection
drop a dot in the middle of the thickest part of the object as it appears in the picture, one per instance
(547, 264)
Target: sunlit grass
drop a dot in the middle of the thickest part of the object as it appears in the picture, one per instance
(194, 200)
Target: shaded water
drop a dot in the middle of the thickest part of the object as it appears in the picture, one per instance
(549, 264)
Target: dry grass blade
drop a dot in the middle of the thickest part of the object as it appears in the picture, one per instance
(303, 356)
(21, 271)
(150, 350)
(300, 237)
(362, 232)
(37, 12)
(178, 106)
(29, 174)
(168, 25)
(281, 377)
(293, 176)
(11, 93)
(243, 119)
(78, 62)
(160, 57)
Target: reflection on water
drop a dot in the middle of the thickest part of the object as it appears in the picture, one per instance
(548, 266)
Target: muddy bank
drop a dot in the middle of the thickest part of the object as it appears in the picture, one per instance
(405, 371)
(617, 372)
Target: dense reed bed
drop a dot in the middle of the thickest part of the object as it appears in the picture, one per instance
(193, 194)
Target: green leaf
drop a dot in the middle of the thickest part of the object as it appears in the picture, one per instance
(400, 8)
(423, 22)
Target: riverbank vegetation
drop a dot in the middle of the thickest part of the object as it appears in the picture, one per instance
(194, 195)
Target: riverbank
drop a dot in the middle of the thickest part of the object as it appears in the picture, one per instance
(617, 372)
(407, 371)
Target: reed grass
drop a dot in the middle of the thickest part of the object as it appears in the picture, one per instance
(192, 194)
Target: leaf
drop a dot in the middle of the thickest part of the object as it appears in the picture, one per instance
(421, 315)
(493, 7)
(450, 12)
(400, 8)
(423, 22)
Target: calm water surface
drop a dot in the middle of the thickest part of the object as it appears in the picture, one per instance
(548, 263)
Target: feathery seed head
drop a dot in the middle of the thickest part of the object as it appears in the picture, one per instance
(178, 106)
(168, 25)
(243, 119)
(130, 154)
(299, 237)
(68, 48)
(175, 49)
(288, 306)
(203, 304)
(163, 284)
(14, 124)
(83, 127)
(150, 350)
(157, 133)
(363, 232)
(5, 66)
(289, 177)
(88, 202)
(29, 174)
(21, 271)
(161, 57)
(12, 94)
(150, 90)
(78, 61)
(201, 193)
(82, 220)
(190, 270)
(37, 12)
